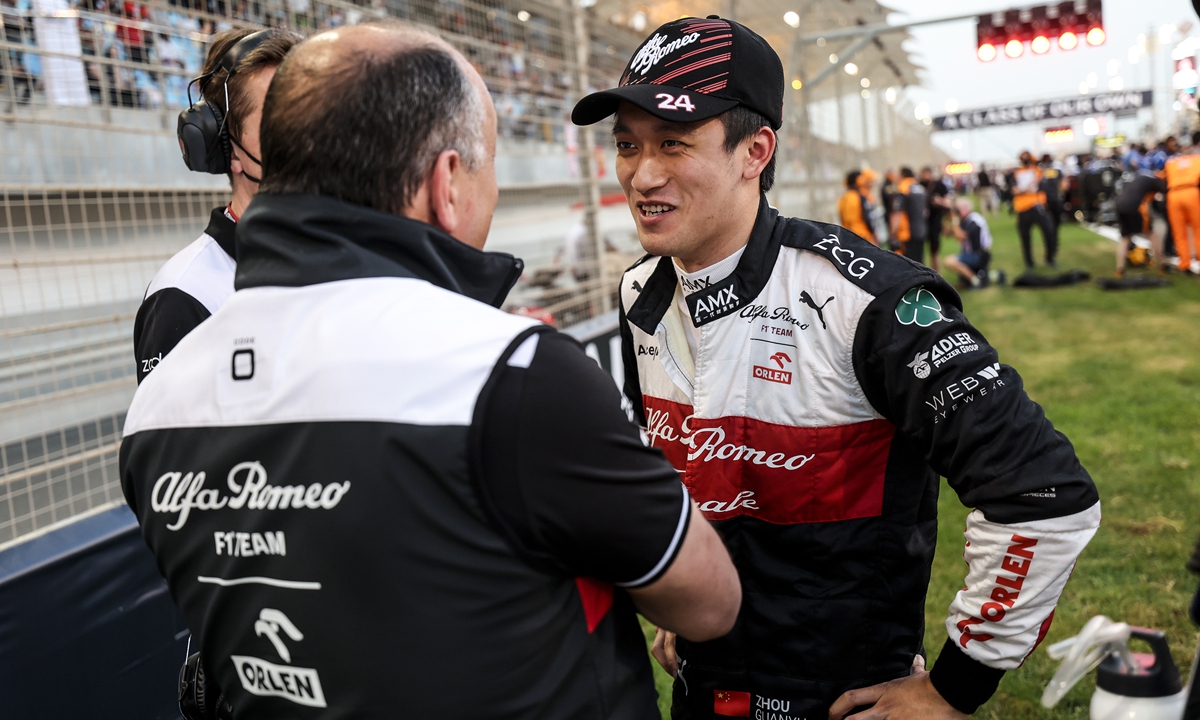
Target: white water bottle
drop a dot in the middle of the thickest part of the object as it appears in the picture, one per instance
(1150, 689)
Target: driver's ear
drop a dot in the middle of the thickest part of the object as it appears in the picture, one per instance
(759, 152)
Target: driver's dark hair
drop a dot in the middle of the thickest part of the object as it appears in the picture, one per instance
(741, 123)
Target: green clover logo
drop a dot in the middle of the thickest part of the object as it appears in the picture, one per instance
(919, 307)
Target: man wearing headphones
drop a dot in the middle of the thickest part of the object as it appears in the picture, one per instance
(218, 135)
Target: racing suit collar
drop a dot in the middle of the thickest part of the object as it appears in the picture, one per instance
(220, 228)
(296, 240)
(721, 298)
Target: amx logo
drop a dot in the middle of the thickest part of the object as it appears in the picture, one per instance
(714, 306)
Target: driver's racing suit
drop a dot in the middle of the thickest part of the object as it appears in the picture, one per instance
(832, 383)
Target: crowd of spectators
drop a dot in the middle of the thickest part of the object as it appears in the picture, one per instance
(151, 52)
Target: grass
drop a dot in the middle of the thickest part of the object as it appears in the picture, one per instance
(1119, 374)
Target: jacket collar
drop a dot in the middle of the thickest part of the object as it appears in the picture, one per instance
(220, 228)
(719, 299)
(298, 240)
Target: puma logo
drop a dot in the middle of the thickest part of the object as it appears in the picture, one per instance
(807, 300)
(637, 286)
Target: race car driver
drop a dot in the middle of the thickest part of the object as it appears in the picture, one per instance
(197, 280)
(810, 388)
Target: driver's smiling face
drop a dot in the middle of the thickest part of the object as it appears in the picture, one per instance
(677, 178)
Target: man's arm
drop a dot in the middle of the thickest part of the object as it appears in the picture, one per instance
(925, 368)
(566, 477)
(163, 319)
(671, 602)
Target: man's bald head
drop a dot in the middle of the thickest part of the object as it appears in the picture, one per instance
(361, 113)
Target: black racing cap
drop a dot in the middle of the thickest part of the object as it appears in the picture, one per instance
(693, 69)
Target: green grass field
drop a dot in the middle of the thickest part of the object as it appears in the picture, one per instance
(1119, 374)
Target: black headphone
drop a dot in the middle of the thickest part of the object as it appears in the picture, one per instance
(203, 131)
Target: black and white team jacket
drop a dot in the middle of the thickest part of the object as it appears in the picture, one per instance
(832, 383)
(190, 287)
(373, 494)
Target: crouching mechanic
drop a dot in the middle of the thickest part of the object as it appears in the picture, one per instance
(219, 135)
(372, 492)
(810, 390)
(975, 242)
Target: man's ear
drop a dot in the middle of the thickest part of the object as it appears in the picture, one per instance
(235, 161)
(444, 194)
(759, 152)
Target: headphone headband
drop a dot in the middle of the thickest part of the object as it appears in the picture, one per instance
(202, 130)
(233, 56)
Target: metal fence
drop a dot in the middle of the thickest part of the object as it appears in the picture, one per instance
(94, 198)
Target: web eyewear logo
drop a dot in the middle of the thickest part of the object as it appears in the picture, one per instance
(654, 50)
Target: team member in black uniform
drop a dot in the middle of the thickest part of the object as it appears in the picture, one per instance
(810, 388)
(375, 495)
(910, 215)
(938, 194)
(1051, 185)
(194, 283)
(1133, 216)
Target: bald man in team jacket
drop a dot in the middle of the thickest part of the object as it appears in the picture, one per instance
(810, 387)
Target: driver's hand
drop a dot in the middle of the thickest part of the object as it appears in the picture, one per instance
(908, 698)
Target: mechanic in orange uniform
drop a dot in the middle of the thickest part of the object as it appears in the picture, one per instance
(1029, 203)
(853, 210)
(1183, 205)
(866, 183)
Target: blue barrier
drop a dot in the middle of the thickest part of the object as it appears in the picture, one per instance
(88, 628)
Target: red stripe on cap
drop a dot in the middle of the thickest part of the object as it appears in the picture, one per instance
(697, 52)
(709, 89)
(694, 66)
(717, 37)
(692, 86)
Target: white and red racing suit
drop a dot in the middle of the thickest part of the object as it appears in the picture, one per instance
(810, 396)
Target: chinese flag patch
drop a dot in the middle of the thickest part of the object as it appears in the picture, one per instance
(731, 703)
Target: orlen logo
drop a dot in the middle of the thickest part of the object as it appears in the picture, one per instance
(772, 374)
